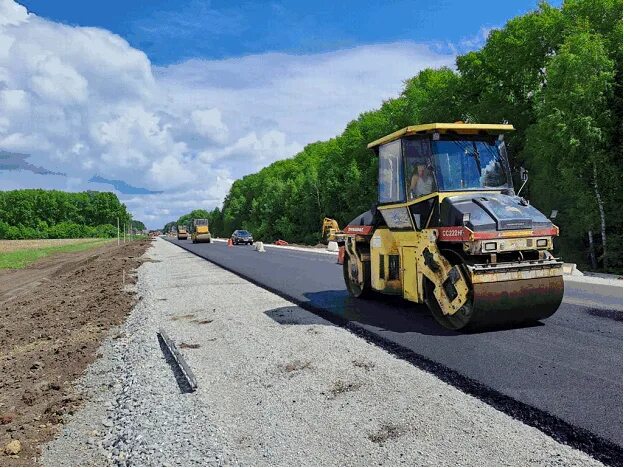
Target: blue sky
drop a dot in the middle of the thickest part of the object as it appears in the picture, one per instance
(170, 32)
(167, 103)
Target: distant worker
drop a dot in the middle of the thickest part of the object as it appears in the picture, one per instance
(422, 181)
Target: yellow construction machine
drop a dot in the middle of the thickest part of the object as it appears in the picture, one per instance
(200, 231)
(182, 233)
(330, 230)
(449, 231)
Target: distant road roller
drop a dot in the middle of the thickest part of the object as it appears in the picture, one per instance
(182, 233)
(200, 231)
(449, 231)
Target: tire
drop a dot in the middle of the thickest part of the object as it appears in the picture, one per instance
(354, 289)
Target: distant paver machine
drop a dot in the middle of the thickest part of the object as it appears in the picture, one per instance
(449, 230)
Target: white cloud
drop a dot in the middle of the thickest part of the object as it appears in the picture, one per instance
(11, 13)
(478, 40)
(209, 123)
(83, 102)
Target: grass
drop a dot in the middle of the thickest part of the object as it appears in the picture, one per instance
(16, 259)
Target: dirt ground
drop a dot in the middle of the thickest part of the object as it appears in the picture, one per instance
(53, 315)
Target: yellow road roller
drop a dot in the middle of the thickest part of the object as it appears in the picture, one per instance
(449, 231)
(200, 231)
(182, 233)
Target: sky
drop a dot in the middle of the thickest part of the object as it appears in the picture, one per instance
(167, 103)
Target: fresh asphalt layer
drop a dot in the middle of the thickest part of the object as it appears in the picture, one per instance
(563, 375)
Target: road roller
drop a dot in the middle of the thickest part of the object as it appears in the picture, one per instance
(449, 231)
(200, 231)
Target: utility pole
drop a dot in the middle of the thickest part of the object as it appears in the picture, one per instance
(117, 230)
(124, 233)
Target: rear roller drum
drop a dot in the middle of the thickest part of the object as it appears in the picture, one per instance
(354, 287)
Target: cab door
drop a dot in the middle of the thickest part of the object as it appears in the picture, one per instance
(410, 274)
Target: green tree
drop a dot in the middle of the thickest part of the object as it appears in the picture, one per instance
(575, 131)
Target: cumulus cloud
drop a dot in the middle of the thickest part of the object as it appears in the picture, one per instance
(82, 101)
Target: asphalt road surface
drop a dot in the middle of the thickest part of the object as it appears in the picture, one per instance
(568, 366)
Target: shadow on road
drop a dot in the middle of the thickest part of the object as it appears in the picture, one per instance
(383, 313)
(379, 313)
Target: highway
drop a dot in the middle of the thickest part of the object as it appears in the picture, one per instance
(563, 375)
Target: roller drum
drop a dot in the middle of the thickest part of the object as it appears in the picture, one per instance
(515, 302)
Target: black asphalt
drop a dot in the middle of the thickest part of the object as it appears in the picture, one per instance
(568, 367)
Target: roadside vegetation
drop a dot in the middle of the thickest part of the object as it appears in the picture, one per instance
(53, 214)
(19, 254)
(555, 74)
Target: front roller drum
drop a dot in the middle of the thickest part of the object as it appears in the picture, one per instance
(515, 302)
(505, 303)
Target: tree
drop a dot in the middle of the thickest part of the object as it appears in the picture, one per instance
(37, 213)
(575, 127)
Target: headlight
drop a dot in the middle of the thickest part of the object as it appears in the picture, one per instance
(541, 243)
(489, 246)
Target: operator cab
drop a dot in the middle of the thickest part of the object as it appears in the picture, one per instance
(420, 166)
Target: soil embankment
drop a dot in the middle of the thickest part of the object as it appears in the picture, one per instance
(53, 315)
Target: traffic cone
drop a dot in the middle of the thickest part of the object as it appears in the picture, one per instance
(341, 254)
(229, 243)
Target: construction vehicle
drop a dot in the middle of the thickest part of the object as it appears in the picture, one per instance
(182, 233)
(448, 231)
(330, 231)
(200, 231)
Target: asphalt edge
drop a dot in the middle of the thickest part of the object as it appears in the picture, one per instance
(581, 439)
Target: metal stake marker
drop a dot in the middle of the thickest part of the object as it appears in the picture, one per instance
(184, 368)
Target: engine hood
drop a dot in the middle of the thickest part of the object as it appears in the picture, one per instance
(491, 212)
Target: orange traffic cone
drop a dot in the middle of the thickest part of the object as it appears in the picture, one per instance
(341, 253)
(229, 242)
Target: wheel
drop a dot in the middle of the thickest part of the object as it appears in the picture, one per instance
(457, 321)
(356, 289)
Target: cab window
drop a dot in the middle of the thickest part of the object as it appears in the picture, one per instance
(419, 175)
(391, 187)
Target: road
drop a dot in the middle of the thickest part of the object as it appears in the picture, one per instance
(567, 368)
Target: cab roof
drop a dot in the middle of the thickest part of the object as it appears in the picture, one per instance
(458, 127)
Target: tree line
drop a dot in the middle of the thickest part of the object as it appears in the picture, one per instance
(54, 214)
(554, 73)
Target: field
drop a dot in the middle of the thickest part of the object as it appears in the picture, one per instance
(20, 253)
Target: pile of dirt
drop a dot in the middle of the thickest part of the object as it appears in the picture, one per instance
(53, 315)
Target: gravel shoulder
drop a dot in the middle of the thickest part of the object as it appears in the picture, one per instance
(277, 386)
